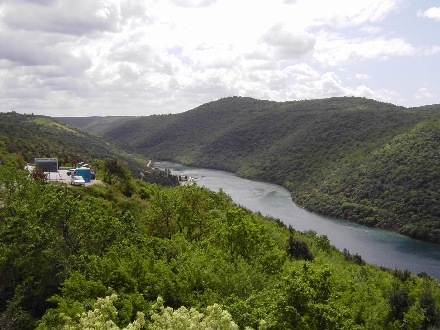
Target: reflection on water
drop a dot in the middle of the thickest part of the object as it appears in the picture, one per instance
(375, 246)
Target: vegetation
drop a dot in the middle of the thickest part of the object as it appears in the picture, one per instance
(353, 158)
(131, 254)
(98, 125)
(182, 257)
(37, 136)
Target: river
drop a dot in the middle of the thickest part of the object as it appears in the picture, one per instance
(376, 246)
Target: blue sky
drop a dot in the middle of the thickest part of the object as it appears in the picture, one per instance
(142, 57)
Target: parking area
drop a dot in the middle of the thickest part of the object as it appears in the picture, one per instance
(62, 177)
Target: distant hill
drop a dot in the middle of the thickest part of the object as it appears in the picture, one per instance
(38, 136)
(362, 160)
(98, 125)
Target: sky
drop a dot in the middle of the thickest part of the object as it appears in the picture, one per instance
(144, 57)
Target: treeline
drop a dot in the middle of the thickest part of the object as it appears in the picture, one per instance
(167, 258)
(354, 158)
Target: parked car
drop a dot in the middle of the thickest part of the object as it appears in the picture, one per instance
(78, 180)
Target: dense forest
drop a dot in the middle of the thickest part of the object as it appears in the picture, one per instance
(102, 257)
(353, 158)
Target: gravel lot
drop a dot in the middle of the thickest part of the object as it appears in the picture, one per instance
(62, 177)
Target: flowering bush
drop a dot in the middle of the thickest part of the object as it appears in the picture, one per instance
(102, 318)
(162, 318)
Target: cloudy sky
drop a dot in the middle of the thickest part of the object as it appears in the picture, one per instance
(141, 57)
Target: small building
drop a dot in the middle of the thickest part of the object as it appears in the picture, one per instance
(47, 164)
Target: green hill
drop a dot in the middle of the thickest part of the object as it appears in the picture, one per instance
(98, 125)
(38, 136)
(353, 158)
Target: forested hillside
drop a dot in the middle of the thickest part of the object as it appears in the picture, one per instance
(354, 158)
(182, 258)
(38, 136)
(99, 125)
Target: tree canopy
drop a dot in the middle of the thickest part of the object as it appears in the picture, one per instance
(72, 257)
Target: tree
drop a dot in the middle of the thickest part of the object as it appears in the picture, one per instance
(115, 170)
(118, 173)
(308, 303)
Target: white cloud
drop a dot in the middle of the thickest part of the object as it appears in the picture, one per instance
(370, 30)
(75, 18)
(33, 49)
(342, 13)
(151, 56)
(301, 72)
(36, 2)
(334, 49)
(432, 13)
(383, 95)
(423, 93)
(287, 44)
(330, 84)
(193, 3)
(432, 50)
(362, 76)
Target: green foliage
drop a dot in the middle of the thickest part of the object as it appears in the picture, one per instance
(65, 253)
(355, 258)
(298, 249)
(114, 169)
(45, 232)
(163, 178)
(308, 302)
(118, 174)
